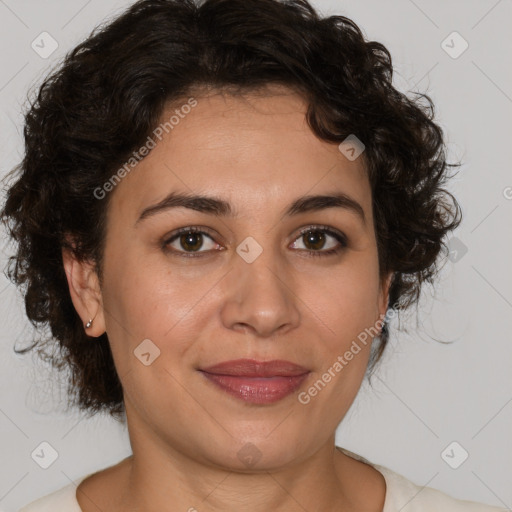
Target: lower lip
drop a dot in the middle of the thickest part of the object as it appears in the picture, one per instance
(257, 390)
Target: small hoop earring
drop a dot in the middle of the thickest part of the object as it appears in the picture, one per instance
(88, 324)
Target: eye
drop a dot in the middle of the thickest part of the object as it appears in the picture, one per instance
(191, 240)
(315, 239)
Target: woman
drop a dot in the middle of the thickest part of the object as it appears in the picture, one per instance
(217, 207)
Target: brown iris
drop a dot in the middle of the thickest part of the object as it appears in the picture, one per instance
(315, 238)
(191, 241)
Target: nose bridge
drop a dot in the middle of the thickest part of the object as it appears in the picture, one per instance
(261, 294)
(260, 267)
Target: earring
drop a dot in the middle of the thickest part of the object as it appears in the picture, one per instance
(88, 324)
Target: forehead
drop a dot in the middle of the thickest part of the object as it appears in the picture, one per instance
(256, 151)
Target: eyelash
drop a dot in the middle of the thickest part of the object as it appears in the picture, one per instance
(340, 237)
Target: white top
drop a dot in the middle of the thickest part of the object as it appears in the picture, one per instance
(401, 495)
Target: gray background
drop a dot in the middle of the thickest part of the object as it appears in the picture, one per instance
(426, 394)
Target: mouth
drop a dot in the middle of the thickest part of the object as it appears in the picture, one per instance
(258, 382)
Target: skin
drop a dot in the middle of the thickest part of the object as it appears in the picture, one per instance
(257, 153)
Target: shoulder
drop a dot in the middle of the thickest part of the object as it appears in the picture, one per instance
(404, 495)
(61, 500)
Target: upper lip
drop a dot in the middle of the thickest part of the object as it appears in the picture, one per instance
(253, 368)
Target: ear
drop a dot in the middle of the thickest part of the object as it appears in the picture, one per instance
(85, 292)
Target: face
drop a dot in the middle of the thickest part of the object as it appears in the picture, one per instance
(258, 282)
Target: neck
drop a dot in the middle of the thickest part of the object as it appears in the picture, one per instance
(164, 481)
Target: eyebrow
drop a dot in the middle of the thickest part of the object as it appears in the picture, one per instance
(221, 208)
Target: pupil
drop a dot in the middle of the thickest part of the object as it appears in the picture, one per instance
(315, 238)
(191, 241)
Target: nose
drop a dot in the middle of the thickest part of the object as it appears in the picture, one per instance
(261, 298)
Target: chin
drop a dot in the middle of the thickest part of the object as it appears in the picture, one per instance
(255, 454)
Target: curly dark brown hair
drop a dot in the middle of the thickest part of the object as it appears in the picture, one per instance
(110, 91)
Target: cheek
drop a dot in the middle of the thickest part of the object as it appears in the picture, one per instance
(348, 309)
(347, 301)
(148, 300)
(132, 304)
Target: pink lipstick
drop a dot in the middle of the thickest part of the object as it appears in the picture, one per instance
(258, 382)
